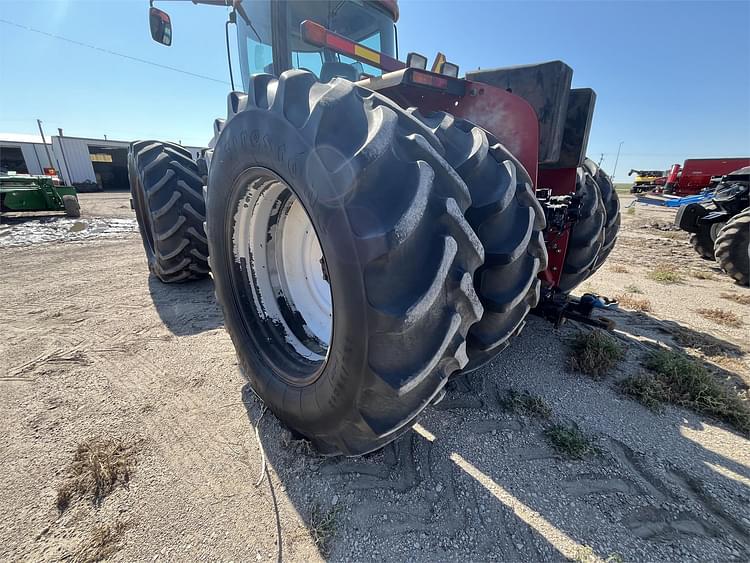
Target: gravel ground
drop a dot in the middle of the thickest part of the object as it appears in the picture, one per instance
(101, 217)
(94, 347)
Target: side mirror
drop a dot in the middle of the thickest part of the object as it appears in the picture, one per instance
(161, 26)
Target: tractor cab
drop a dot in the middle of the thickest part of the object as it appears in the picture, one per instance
(270, 39)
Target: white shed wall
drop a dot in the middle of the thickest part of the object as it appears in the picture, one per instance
(75, 161)
(33, 155)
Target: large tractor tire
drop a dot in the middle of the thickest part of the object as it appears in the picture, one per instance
(167, 193)
(611, 202)
(733, 247)
(341, 258)
(587, 234)
(509, 221)
(703, 241)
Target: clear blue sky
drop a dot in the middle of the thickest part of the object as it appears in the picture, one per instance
(672, 78)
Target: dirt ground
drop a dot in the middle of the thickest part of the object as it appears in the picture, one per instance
(94, 348)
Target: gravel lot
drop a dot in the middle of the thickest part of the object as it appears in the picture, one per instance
(93, 347)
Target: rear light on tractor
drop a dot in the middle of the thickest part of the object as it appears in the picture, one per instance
(415, 60)
(426, 79)
(315, 34)
(449, 69)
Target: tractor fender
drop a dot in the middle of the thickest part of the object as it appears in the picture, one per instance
(688, 215)
(714, 217)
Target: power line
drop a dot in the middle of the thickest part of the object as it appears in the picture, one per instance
(109, 52)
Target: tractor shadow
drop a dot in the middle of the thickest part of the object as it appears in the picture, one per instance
(186, 308)
(476, 480)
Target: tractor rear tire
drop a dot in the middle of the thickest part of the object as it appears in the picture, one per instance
(72, 207)
(167, 193)
(587, 234)
(703, 241)
(509, 220)
(363, 184)
(611, 202)
(733, 247)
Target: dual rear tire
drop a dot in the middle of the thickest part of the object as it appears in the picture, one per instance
(167, 195)
(359, 262)
(392, 258)
(593, 236)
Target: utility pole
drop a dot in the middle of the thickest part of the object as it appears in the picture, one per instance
(614, 169)
(601, 159)
(44, 142)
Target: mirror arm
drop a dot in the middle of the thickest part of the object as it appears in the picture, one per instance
(240, 9)
(232, 19)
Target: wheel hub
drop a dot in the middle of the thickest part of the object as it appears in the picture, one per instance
(284, 264)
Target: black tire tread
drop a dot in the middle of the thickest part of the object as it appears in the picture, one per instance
(509, 222)
(732, 247)
(587, 234)
(415, 331)
(72, 206)
(166, 185)
(702, 243)
(611, 202)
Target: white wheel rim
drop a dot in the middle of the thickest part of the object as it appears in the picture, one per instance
(276, 242)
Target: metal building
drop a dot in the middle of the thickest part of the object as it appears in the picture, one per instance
(86, 163)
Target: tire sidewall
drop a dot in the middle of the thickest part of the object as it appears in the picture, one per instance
(141, 211)
(262, 138)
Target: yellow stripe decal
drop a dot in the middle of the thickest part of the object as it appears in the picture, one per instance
(366, 53)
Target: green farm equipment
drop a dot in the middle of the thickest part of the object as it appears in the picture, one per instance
(22, 193)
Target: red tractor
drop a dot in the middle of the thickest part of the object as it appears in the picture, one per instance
(697, 174)
(373, 227)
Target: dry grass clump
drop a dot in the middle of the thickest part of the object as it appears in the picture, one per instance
(632, 288)
(618, 269)
(678, 379)
(665, 273)
(720, 316)
(103, 542)
(594, 353)
(323, 526)
(98, 466)
(634, 303)
(736, 297)
(702, 275)
(525, 403)
(673, 235)
(704, 343)
(569, 441)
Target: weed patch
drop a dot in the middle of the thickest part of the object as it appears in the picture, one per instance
(98, 466)
(632, 288)
(704, 343)
(569, 441)
(720, 316)
(594, 353)
(673, 235)
(634, 303)
(678, 379)
(736, 297)
(103, 542)
(323, 526)
(665, 273)
(702, 275)
(526, 404)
